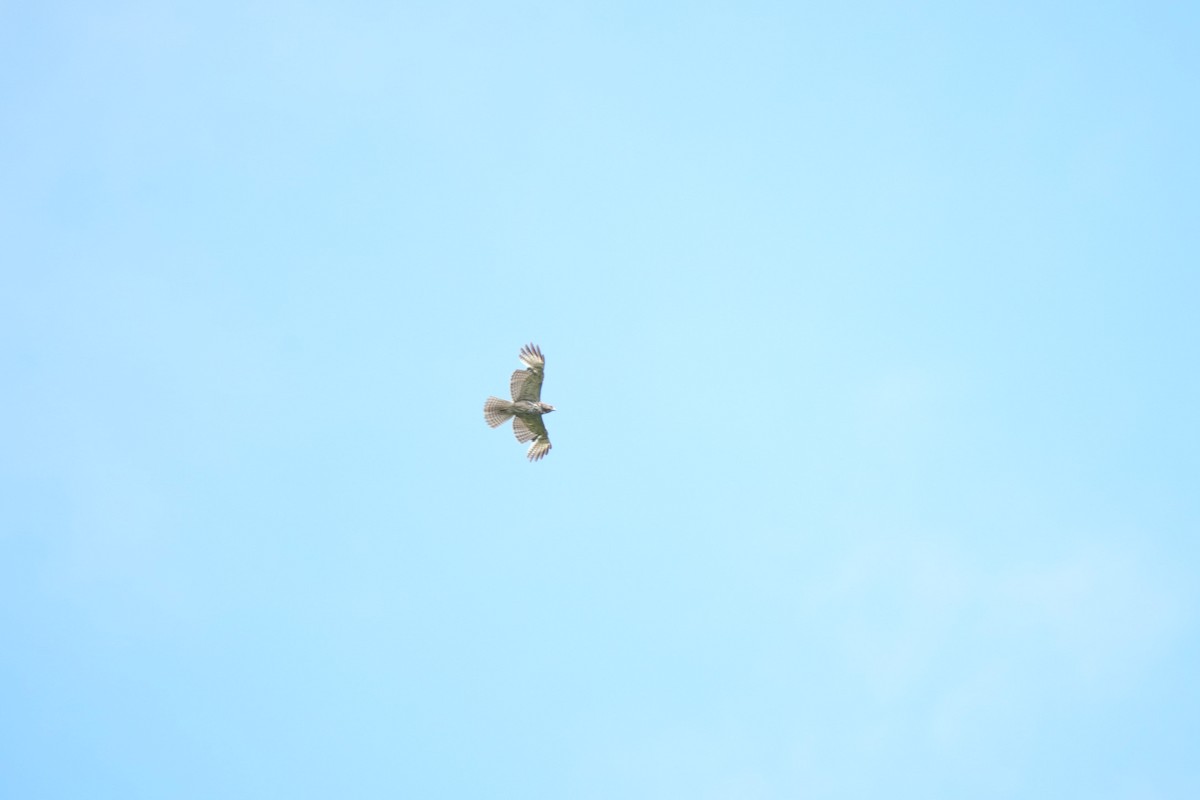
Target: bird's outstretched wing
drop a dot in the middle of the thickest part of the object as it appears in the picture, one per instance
(526, 384)
(530, 428)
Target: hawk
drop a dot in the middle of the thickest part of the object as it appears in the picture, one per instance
(526, 408)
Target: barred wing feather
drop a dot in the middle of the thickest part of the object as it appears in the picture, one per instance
(538, 450)
(530, 428)
(526, 384)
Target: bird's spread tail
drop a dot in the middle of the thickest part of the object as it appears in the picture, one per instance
(496, 412)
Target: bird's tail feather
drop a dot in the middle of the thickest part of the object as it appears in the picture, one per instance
(496, 412)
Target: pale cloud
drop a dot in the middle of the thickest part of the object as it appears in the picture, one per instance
(964, 647)
(1106, 611)
(895, 406)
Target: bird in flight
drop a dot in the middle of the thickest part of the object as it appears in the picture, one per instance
(526, 408)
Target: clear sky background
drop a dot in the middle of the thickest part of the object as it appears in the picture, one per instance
(872, 329)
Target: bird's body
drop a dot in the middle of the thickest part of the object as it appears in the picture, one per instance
(530, 407)
(526, 408)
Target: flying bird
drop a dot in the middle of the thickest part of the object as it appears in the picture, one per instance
(526, 408)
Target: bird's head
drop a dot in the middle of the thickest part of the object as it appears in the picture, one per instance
(547, 408)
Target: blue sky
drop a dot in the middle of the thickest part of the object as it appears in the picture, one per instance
(872, 332)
